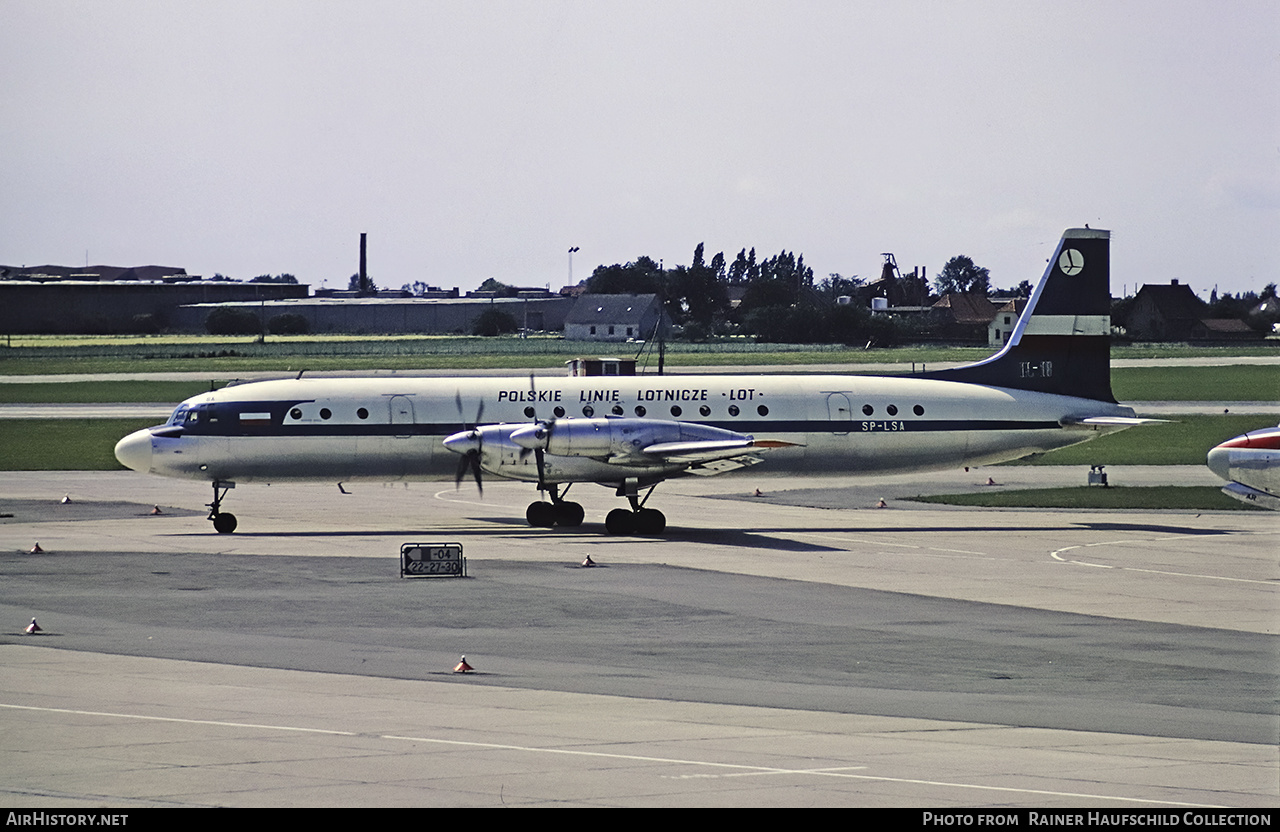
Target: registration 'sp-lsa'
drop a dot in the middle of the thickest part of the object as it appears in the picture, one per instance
(1048, 387)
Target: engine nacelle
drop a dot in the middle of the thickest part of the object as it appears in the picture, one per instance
(483, 438)
(605, 438)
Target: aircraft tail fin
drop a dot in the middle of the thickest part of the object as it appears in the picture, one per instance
(1062, 341)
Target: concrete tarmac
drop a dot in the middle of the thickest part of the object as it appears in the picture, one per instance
(796, 648)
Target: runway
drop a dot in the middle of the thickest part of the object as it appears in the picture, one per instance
(797, 648)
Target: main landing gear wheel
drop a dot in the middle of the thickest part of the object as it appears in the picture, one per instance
(645, 521)
(650, 521)
(569, 514)
(620, 521)
(547, 515)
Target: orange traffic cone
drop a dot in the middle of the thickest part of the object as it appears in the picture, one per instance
(881, 503)
(588, 561)
(35, 550)
(33, 627)
(991, 481)
(463, 667)
(156, 510)
(66, 499)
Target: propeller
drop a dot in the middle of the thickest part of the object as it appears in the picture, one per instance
(469, 444)
(470, 459)
(543, 437)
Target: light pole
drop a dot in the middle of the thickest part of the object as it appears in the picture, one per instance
(571, 251)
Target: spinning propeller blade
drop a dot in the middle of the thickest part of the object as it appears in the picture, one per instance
(471, 457)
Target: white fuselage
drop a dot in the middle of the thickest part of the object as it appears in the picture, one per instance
(386, 429)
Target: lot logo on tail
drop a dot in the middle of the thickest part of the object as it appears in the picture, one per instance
(1071, 262)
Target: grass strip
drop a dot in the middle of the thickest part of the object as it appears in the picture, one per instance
(63, 444)
(1163, 497)
(96, 392)
(1185, 440)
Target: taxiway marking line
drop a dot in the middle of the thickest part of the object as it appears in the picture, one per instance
(1057, 555)
(867, 541)
(443, 496)
(738, 768)
(186, 720)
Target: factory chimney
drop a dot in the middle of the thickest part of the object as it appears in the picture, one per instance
(364, 275)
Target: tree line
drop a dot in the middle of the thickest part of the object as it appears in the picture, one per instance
(774, 298)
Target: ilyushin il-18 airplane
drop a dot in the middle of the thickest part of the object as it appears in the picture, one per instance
(1251, 466)
(1048, 387)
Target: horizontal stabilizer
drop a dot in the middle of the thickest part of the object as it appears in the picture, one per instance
(1110, 422)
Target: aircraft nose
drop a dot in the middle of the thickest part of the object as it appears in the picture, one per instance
(134, 451)
(1219, 462)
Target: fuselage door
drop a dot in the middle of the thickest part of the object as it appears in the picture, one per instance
(840, 412)
(402, 414)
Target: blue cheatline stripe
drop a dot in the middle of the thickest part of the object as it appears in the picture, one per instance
(759, 428)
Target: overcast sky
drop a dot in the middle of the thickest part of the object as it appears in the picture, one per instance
(484, 139)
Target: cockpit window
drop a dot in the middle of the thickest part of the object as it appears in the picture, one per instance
(179, 415)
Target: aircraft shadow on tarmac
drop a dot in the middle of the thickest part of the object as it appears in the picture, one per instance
(775, 539)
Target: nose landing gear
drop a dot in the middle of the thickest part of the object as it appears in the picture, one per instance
(224, 522)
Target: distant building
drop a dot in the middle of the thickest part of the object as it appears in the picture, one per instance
(965, 317)
(601, 366)
(37, 302)
(395, 315)
(613, 318)
(44, 274)
(1001, 326)
(1223, 329)
(1172, 312)
(1164, 312)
